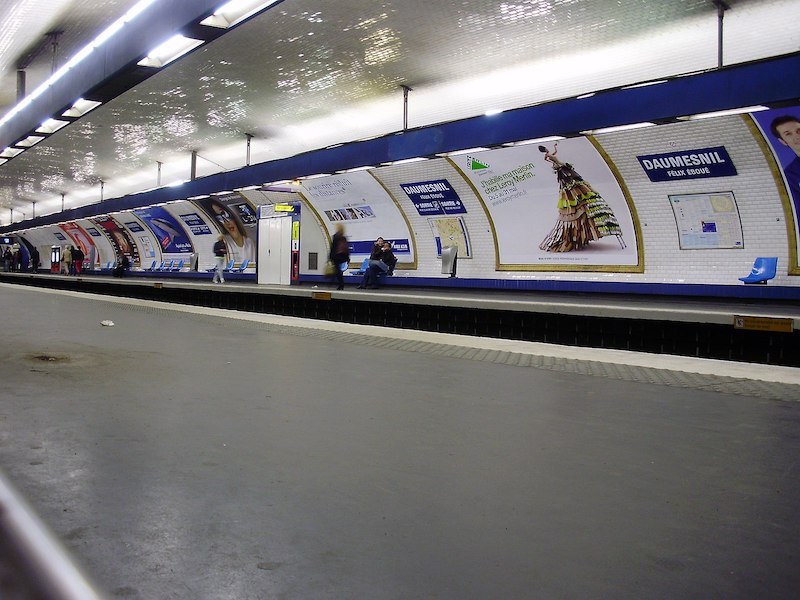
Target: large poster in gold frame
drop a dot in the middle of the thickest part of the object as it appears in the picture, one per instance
(555, 206)
(778, 133)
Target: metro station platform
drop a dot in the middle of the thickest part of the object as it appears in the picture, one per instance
(189, 452)
(748, 330)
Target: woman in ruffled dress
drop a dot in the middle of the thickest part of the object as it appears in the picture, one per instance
(583, 215)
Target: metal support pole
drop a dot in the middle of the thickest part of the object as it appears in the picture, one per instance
(34, 209)
(721, 8)
(20, 84)
(249, 137)
(193, 169)
(62, 202)
(158, 179)
(102, 187)
(406, 89)
(54, 36)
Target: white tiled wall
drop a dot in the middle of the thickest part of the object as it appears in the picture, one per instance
(762, 213)
(757, 197)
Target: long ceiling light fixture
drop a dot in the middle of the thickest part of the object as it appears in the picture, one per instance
(618, 128)
(549, 138)
(172, 49)
(724, 113)
(234, 12)
(78, 57)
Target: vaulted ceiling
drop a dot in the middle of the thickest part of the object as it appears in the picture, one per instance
(306, 74)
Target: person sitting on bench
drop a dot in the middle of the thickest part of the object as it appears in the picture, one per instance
(383, 263)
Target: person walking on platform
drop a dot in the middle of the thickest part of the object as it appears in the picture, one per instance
(7, 257)
(66, 261)
(339, 255)
(34, 266)
(77, 260)
(220, 251)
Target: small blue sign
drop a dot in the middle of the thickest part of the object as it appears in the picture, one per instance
(195, 224)
(134, 227)
(435, 197)
(688, 164)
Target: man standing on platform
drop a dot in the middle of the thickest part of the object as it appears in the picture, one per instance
(220, 251)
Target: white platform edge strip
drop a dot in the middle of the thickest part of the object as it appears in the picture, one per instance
(668, 362)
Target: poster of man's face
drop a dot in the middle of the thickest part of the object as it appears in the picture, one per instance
(781, 129)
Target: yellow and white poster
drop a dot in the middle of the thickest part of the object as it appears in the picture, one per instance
(556, 205)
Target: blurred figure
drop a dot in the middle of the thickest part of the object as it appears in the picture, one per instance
(339, 255)
(34, 260)
(122, 267)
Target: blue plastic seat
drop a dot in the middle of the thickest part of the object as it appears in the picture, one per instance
(229, 268)
(362, 269)
(152, 266)
(179, 266)
(243, 266)
(167, 266)
(764, 269)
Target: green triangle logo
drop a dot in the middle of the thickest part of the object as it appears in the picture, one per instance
(475, 164)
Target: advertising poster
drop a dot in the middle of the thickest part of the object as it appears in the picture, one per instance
(556, 206)
(170, 234)
(119, 237)
(80, 237)
(236, 219)
(366, 210)
(709, 220)
(781, 129)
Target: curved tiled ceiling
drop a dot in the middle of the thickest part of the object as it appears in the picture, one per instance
(309, 73)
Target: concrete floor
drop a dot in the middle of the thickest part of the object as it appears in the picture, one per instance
(189, 456)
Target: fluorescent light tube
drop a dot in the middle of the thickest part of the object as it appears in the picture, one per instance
(404, 160)
(465, 151)
(618, 128)
(645, 84)
(550, 138)
(29, 141)
(172, 49)
(724, 113)
(234, 12)
(11, 152)
(51, 126)
(80, 108)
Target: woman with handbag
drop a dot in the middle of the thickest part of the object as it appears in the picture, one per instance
(339, 255)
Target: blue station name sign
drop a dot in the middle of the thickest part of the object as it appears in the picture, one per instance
(688, 164)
